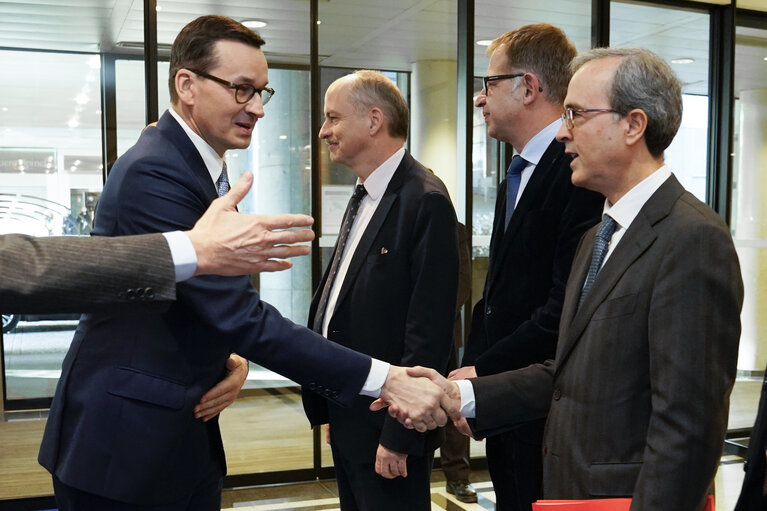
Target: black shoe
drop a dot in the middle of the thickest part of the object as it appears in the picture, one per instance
(462, 490)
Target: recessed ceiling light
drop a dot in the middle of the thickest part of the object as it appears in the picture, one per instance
(5, 108)
(683, 60)
(484, 42)
(765, 59)
(252, 24)
(283, 137)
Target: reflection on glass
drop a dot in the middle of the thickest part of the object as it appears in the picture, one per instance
(50, 180)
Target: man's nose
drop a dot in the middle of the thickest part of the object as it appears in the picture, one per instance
(255, 106)
(481, 99)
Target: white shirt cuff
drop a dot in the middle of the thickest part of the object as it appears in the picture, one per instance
(183, 254)
(376, 378)
(468, 405)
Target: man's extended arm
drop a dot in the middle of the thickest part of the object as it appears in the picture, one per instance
(79, 274)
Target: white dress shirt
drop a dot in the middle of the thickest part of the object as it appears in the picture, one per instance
(623, 212)
(375, 186)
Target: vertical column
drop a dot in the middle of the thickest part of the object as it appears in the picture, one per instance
(433, 119)
(750, 226)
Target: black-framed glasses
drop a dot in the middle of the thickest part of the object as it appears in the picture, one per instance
(243, 92)
(571, 113)
(495, 78)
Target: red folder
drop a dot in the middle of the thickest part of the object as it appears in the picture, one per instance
(596, 505)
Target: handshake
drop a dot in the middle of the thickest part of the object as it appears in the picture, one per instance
(420, 398)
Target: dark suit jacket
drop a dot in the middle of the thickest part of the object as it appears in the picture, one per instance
(752, 496)
(121, 424)
(515, 323)
(397, 306)
(77, 274)
(640, 389)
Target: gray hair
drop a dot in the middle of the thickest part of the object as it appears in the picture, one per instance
(643, 81)
(371, 89)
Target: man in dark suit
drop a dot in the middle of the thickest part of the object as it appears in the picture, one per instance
(75, 274)
(121, 432)
(753, 494)
(638, 394)
(532, 245)
(389, 292)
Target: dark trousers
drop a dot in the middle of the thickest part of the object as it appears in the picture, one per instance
(454, 454)
(516, 469)
(361, 489)
(206, 497)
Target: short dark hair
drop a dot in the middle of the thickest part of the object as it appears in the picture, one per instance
(645, 81)
(193, 47)
(543, 50)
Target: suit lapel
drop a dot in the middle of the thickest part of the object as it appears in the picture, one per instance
(390, 196)
(171, 130)
(637, 239)
(502, 240)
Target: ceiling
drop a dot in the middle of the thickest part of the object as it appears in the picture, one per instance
(353, 33)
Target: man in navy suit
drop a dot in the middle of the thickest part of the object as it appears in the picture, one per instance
(534, 238)
(121, 433)
(389, 291)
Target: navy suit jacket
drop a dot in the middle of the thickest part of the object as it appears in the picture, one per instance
(397, 303)
(121, 424)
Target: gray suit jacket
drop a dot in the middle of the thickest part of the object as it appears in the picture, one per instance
(74, 274)
(639, 392)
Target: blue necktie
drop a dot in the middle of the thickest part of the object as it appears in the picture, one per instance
(343, 237)
(601, 244)
(513, 178)
(222, 185)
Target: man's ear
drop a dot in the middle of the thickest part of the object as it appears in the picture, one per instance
(636, 125)
(376, 117)
(184, 86)
(532, 86)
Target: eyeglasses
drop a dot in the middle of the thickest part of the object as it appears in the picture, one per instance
(494, 78)
(570, 113)
(243, 92)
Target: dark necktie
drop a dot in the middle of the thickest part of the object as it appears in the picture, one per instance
(343, 237)
(513, 179)
(601, 244)
(222, 185)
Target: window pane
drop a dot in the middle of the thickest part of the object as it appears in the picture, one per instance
(681, 38)
(51, 178)
(748, 214)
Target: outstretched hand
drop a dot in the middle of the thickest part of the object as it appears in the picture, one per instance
(231, 243)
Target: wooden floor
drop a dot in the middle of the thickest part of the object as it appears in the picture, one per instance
(266, 431)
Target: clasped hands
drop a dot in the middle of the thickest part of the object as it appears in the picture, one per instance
(419, 398)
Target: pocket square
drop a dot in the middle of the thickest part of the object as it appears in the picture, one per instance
(384, 251)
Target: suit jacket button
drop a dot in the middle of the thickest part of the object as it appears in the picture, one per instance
(140, 293)
(488, 310)
(130, 294)
(557, 394)
(149, 293)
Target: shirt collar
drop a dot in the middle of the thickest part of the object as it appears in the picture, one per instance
(213, 162)
(534, 149)
(378, 180)
(627, 208)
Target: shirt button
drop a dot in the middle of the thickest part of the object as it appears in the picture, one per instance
(557, 394)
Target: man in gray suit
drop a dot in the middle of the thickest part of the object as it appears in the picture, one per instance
(648, 341)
